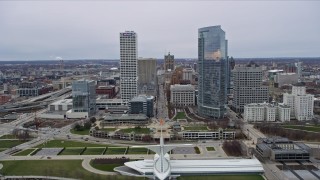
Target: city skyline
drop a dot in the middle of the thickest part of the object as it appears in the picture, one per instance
(79, 30)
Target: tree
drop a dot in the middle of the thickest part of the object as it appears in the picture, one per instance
(87, 125)
(77, 127)
(93, 119)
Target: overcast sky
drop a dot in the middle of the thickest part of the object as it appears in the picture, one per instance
(36, 30)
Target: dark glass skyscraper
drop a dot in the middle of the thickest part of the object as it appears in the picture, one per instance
(213, 71)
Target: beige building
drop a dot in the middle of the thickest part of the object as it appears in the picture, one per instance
(147, 74)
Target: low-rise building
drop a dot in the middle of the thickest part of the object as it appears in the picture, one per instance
(61, 105)
(110, 91)
(282, 149)
(182, 95)
(124, 119)
(220, 134)
(4, 98)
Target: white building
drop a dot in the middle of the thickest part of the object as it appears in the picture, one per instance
(187, 74)
(254, 112)
(182, 95)
(301, 103)
(163, 167)
(128, 65)
(266, 112)
(283, 112)
(61, 105)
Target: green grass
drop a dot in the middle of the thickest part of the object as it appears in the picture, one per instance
(2, 149)
(108, 129)
(305, 128)
(8, 136)
(72, 151)
(10, 143)
(84, 132)
(93, 151)
(180, 115)
(195, 128)
(105, 167)
(64, 143)
(197, 150)
(222, 177)
(210, 149)
(24, 153)
(115, 151)
(58, 168)
(136, 130)
(137, 151)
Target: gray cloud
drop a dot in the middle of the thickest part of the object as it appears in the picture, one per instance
(82, 29)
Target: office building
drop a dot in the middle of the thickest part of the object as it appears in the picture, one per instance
(285, 79)
(128, 65)
(282, 149)
(247, 86)
(187, 74)
(147, 75)
(182, 95)
(301, 104)
(169, 62)
(83, 99)
(141, 105)
(212, 69)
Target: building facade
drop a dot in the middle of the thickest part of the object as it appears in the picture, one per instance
(141, 105)
(169, 62)
(301, 104)
(147, 75)
(256, 112)
(247, 86)
(182, 95)
(212, 71)
(128, 65)
(84, 97)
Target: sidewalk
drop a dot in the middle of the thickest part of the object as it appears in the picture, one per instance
(86, 165)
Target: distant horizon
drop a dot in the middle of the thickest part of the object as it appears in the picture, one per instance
(99, 59)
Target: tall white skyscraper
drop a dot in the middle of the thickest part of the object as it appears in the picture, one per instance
(128, 65)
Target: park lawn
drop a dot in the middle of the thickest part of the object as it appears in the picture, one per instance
(116, 150)
(137, 151)
(93, 151)
(305, 128)
(196, 128)
(136, 130)
(197, 150)
(84, 132)
(150, 152)
(8, 136)
(222, 177)
(24, 153)
(10, 143)
(210, 149)
(180, 115)
(108, 129)
(105, 167)
(71, 151)
(64, 143)
(58, 168)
